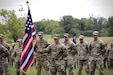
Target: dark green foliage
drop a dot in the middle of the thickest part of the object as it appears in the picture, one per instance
(11, 26)
(73, 25)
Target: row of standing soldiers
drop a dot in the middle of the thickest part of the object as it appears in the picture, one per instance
(60, 56)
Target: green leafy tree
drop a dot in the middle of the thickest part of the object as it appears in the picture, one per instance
(14, 26)
(66, 23)
(110, 26)
(48, 26)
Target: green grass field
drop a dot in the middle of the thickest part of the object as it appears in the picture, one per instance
(32, 70)
(88, 39)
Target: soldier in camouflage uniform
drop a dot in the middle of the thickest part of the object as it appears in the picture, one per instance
(105, 56)
(41, 58)
(110, 56)
(4, 53)
(5, 60)
(57, 52)
(17, 54)
(83, 54)
(11, 60)
(71, 50)
(97, 50)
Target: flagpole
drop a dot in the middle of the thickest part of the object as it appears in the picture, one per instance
(27, 2)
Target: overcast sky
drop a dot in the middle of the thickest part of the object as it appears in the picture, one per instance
(54, 9)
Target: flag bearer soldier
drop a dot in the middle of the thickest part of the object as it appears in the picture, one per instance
(57, 52)
(41, 58)
(97, 50)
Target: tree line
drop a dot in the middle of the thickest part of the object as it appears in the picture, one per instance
(69, 24)
(13, 26)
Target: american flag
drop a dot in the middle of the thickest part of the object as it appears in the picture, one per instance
(27, 55)
(74, 38)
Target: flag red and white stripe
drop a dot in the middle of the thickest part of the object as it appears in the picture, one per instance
(27, 55)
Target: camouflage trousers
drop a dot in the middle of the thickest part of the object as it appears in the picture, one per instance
(1, 67)
(105, 60)
(96, 63)
(41, 65)
(5, 68)
(11, 61)
(17, 66)
(57, 66)
(110, 63)
(70, 62)
(81, 64)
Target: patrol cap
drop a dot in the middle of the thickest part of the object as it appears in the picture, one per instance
(19, 40)
(40, 33)
(57, 36)
(1, 35)
(66, 35)
(95, 33)
(81, 37)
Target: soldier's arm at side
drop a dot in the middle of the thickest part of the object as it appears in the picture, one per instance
(89, 48)
(47, 44)
(107, 51)
(103, 48)
(35, 47)
(13, 54)
(64, 51)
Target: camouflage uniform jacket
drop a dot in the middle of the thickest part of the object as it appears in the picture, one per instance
(17, 53)
(40, 45)
(56, 51)
(71, 48)
(3, 52)
(97, 49)
(110, 53)
(83, 51)
(8, 48)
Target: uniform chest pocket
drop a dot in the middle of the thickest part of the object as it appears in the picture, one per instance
(83, 47)
(42, 45)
